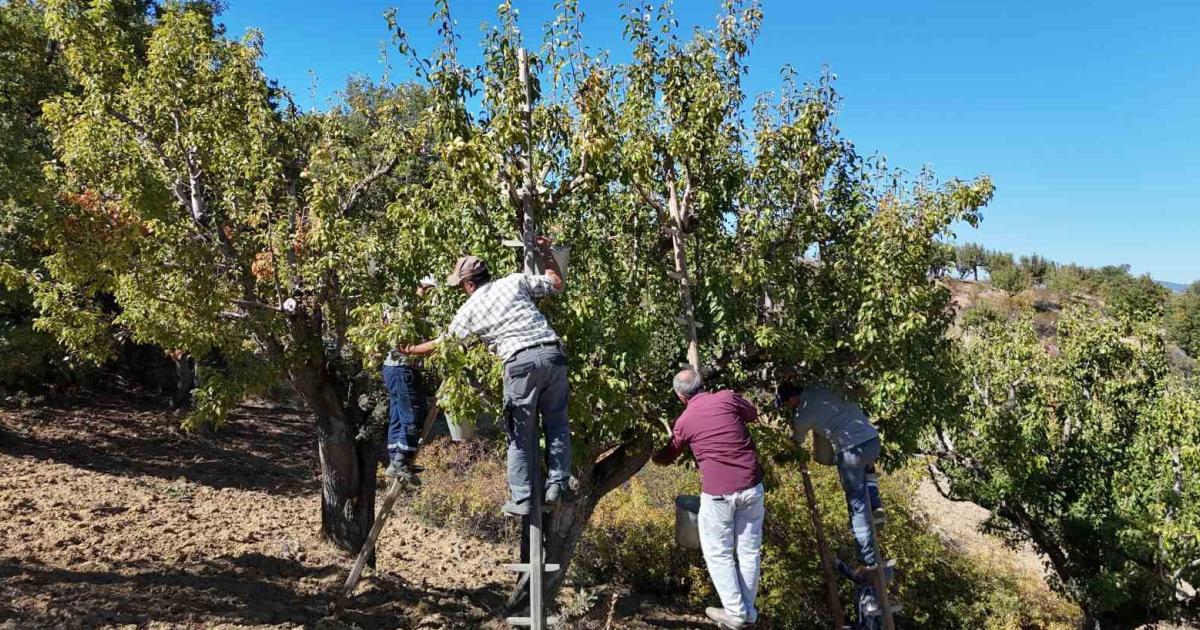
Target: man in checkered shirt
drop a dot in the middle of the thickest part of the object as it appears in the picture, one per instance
(503, 315)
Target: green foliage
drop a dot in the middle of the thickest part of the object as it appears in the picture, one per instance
(1011, 279)
(630, 541)
(615, 146)
(29, 73)
(1183, 320)
(981, 316)
(968, 258)
(222, 219)
(1079, 451)
(1066, 279)
(1139, 298)
(1124, 295)
(463, 487)
(1037, 267)
(996, 260)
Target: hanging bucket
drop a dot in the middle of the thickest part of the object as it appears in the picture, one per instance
(687, 521)
(823, 450)
(561, 253)
(460, 430)
(562, 256)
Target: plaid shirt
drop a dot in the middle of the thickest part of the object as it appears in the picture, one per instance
(502, 314)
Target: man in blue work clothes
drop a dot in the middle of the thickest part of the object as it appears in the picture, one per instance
(856, 444)
(504, 315)
(407, 406)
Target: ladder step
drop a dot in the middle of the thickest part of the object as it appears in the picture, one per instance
(873, 477)
(892, 609)
(546, 509)
(528, 621)
(524, 567)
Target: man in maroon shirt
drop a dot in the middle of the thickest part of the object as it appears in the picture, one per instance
(713, 425)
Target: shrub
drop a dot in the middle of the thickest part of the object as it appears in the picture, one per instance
(1011, 279)
(1183, 320)
(981, 315)
(630, 541)
(463, 486)
(631, 537)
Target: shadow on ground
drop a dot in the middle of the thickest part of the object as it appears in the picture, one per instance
(250, 589)
(259, 448)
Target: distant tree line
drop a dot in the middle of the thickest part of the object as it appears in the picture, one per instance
(1123, 293)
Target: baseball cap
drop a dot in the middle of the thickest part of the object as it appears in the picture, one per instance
(466, 268)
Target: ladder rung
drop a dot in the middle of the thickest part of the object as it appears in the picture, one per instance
(546, 509)
(528, 621)
(895, 608)
(524, 567)
(872, 476)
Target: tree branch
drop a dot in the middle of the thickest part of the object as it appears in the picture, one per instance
(165, 162)
(646, 196)
(621, 464)
(346, 204)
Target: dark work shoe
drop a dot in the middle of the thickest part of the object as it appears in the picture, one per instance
(399, 469)
(520, 508)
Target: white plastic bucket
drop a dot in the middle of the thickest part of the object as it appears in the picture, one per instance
(562, 256)
(561, 253)
(459, 430)
(687, 521)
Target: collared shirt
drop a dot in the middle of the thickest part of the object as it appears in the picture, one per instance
(839, 419)
(713, 425)
(503, 315)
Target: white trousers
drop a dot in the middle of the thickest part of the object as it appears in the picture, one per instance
(731, 539)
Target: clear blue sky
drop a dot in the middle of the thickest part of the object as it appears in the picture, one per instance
(1086, 114)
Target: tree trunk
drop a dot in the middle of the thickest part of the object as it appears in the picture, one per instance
(347, 464)
(185, 381)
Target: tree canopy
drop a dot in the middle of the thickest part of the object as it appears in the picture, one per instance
(220, 217)
(1084, 450)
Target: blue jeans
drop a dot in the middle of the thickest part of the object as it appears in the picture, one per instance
(852, 465)
(535, 384)
(406, 409)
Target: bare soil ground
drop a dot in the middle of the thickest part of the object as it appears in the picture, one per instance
(111, 517)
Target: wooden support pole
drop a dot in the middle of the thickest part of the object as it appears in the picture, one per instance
(881, 577)
(364, 554)
(536, 560)
(831, 590)
(528, 193)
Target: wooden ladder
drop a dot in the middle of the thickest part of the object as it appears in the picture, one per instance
(381, 517)
(882, 564)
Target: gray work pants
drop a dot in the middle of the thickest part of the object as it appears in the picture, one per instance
(535, 384)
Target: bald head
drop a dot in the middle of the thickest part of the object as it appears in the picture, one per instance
(687, 383)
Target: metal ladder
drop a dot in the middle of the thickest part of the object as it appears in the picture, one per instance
(534, 567)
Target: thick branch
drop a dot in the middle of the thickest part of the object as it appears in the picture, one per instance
(346, 203)
(166, 163)
(649, 198)
(621, 464)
